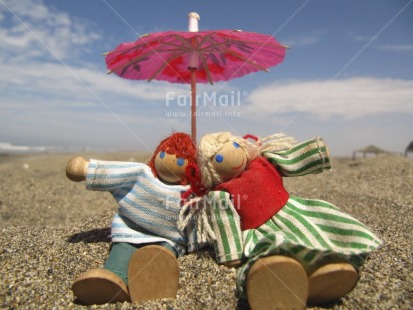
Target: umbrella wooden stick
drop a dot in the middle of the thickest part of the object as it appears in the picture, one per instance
(193, 104)
(193, 65)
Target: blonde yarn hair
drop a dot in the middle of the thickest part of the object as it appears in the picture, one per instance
(208, 147)
(211, 144)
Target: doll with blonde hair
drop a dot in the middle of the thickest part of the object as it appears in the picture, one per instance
(292, 251)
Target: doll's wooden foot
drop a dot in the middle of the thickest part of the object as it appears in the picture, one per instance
(153, 273)
(277, 282)
(100, 286)
(330, 282)
(232, 264)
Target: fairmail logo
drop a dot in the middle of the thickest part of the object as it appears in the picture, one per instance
(203, 99)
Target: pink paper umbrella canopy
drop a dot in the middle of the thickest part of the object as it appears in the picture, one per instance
(195, 56)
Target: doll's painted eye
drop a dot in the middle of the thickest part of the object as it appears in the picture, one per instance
(162, 154)
(219, 158)
(180, 162)
(235, 144)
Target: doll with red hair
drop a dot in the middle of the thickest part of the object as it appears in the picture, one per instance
(142, 263)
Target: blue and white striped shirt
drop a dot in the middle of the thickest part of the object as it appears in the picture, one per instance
(148, 208)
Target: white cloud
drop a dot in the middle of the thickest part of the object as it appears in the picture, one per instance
(46, 93)
(38, 63)
(396, 47)
(32, 9)
(360, 38)
(301, 41)
(310, 38)
(30, 29)
(346, 98)
(77, 84)
(384, 47)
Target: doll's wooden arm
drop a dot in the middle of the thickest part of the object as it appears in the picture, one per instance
(76, 169)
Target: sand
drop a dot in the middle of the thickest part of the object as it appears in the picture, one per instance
(52, 230)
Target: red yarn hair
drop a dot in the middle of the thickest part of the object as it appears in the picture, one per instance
(179, 144)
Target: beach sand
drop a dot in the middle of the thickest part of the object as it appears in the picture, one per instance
(52, 230)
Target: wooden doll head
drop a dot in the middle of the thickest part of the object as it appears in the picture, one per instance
(222, 156)
(171, 158)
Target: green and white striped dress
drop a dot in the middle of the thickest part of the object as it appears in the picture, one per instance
(306, 229)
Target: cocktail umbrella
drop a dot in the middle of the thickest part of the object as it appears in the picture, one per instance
(195, 56)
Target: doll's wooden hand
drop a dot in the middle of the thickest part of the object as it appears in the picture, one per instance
(76, 169)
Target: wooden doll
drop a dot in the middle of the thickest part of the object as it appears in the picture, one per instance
(142, 263)
(292, 251)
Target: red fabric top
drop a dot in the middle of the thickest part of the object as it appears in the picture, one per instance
(258, 193)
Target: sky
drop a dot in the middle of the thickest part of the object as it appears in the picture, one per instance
(347, 75)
